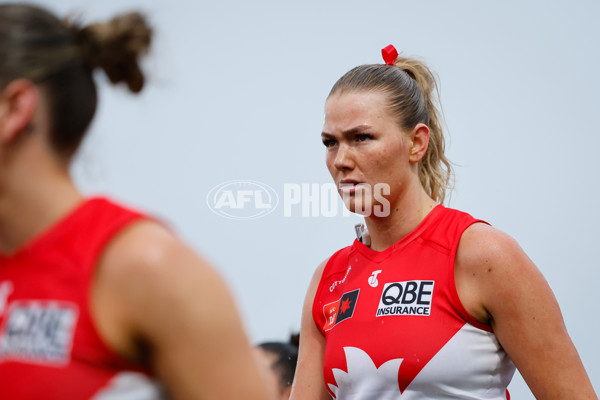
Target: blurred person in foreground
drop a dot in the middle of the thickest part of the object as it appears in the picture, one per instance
(96, 300)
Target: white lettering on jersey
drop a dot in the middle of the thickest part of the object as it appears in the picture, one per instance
(38, 331)
(406, 298)
(334, 284)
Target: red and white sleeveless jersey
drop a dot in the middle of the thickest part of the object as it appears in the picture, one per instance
(395, 327)
(49, 346)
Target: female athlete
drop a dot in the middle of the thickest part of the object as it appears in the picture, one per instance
(435, 304)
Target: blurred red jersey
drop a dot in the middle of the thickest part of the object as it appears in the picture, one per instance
(49, 345)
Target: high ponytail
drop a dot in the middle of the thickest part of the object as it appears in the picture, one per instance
(60, 57)
(413, 98)
(435, 170)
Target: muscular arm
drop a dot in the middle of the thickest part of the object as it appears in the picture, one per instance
(308, 381)
(500, 285)
(152, 289)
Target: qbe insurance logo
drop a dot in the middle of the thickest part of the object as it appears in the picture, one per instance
(38, 331)
(406, 298)
(242, 199)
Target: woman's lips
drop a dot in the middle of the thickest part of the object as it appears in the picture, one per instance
(349, 186)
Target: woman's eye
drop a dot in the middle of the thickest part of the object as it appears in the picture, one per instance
(328, 142)
(363, 137)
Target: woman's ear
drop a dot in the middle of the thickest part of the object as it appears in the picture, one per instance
(419, 141)
(18, 103)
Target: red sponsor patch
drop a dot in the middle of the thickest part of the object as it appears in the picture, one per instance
(330, 311)
(340, 310)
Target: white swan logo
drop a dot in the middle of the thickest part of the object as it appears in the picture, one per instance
(365, 381)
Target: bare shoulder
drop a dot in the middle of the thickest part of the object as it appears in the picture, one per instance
(498, 284)
(152, 289)
(147, 277)
(490, 266)
(146, 258)
(312, 292)
(147, 249)
(147, 263)
(485, 251)
(482, 245)
(317, 275)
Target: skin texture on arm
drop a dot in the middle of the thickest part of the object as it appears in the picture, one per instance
(308, 381)
(498, 284)
(156, 302)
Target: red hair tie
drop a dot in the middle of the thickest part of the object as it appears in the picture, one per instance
(389, 54)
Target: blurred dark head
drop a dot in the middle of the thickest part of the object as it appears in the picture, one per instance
(284, 357)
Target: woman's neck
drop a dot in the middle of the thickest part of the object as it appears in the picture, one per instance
(31, 202)
(404, 217)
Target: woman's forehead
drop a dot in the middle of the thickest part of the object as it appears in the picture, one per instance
(347, 110)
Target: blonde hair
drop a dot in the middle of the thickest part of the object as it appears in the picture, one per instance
(413, 97)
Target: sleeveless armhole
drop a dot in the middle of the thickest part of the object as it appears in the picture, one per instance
(124, 219)
(456, 302)
(317, 312)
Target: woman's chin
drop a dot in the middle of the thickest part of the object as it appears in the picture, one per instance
(359, 208)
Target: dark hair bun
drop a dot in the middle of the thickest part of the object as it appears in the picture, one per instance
(116, 47)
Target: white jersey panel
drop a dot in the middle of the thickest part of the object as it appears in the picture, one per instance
(471, 368)
(131, 386)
